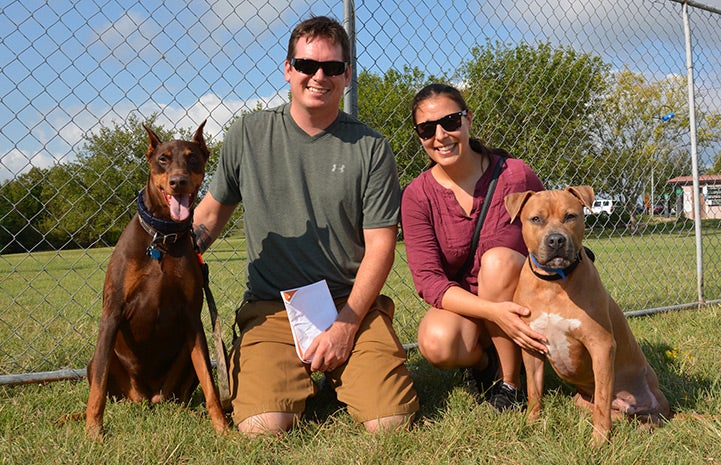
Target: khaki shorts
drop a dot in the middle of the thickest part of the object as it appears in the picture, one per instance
(266, 374)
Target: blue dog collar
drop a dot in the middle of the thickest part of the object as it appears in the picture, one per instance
(558, 273)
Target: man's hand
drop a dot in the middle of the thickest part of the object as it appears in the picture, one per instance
(332, 347)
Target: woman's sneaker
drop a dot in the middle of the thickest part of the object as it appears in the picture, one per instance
(484, 380)
(506, 397)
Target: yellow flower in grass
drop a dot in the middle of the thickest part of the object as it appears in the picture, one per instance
(672, 354)
(675, 353)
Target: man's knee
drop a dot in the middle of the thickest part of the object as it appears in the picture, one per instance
(388, 424)
(270, 423)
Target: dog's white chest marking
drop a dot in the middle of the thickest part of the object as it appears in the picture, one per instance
(557, 329)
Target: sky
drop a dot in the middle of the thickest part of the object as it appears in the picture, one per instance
(66, 68)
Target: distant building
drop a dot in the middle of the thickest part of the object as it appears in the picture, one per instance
(710, 198)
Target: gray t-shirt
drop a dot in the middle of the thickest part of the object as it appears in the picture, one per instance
(307, 199)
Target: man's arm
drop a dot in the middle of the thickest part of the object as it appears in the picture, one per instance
(374, 269)
(333, 347)
(209, 218)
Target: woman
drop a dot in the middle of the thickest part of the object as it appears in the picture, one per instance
(472, 321)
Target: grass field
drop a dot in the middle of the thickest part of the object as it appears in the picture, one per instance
(51, 303)
(452, 429)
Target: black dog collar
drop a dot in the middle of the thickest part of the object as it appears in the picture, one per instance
(164, 232)
(558, 273)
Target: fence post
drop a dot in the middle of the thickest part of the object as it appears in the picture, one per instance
(350, 101)
(694, 159)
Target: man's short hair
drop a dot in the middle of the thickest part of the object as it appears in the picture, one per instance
(320, 26)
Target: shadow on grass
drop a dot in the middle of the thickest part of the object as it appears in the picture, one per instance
(683, 392)
(324, 404)
(434, 386)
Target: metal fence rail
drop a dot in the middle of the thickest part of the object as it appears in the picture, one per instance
(587, 92)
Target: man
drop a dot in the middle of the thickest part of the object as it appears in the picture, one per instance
(321, 197)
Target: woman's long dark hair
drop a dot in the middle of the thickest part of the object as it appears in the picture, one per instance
(437, 88)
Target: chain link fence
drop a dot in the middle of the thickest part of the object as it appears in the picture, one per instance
(587, 92)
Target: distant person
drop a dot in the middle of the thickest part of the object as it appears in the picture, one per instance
(321, 197)
(472, 322)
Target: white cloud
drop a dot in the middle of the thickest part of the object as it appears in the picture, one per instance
(125, 37)
(135, 34)
(85, 121)
(16, 162)
(217, 111)
(603, 24)
(259, 28)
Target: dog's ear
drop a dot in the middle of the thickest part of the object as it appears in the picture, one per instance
(200, 140)
(153, 142)
(515, 202)
(583, 193)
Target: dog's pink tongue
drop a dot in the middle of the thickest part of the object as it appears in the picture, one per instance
(179, 206)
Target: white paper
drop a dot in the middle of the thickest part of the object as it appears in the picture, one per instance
(311, 311)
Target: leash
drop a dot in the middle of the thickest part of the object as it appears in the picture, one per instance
(221, 355)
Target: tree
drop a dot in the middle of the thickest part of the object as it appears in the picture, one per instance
(63, 220)
(716, 167)
(635, 150)
(20, 212)
(90, 201)
(384, 103)
(536, 102)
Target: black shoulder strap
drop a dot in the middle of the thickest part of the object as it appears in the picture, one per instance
(481, 218)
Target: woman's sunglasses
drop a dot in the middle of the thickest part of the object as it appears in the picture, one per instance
(449, 123)
(310, 67)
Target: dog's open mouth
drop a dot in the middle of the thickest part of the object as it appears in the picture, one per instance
(180, 205)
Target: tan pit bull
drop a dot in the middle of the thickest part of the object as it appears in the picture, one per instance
(590, 344)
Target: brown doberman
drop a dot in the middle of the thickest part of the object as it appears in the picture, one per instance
(151, 343)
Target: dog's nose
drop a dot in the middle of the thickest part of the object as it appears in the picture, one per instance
(178, 182)
(556, 241)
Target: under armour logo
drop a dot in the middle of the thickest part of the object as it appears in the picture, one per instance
(338, 168)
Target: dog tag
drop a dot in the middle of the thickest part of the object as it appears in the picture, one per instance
(154, 253)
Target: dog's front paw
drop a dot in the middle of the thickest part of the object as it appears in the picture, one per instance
(533, 411)
(601, 437)
(221, 426)
(94, 431)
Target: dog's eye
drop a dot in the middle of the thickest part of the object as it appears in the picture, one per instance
(163, 159)
(194, 161)
(536, 219)
(570, 217)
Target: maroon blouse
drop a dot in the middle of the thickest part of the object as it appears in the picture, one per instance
(437, 232)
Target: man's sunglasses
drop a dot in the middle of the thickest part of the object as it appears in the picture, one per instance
(310, 67)
(449, 123)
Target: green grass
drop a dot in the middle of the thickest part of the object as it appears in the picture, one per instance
(452, 428)
(50, 302)
(50, 305)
